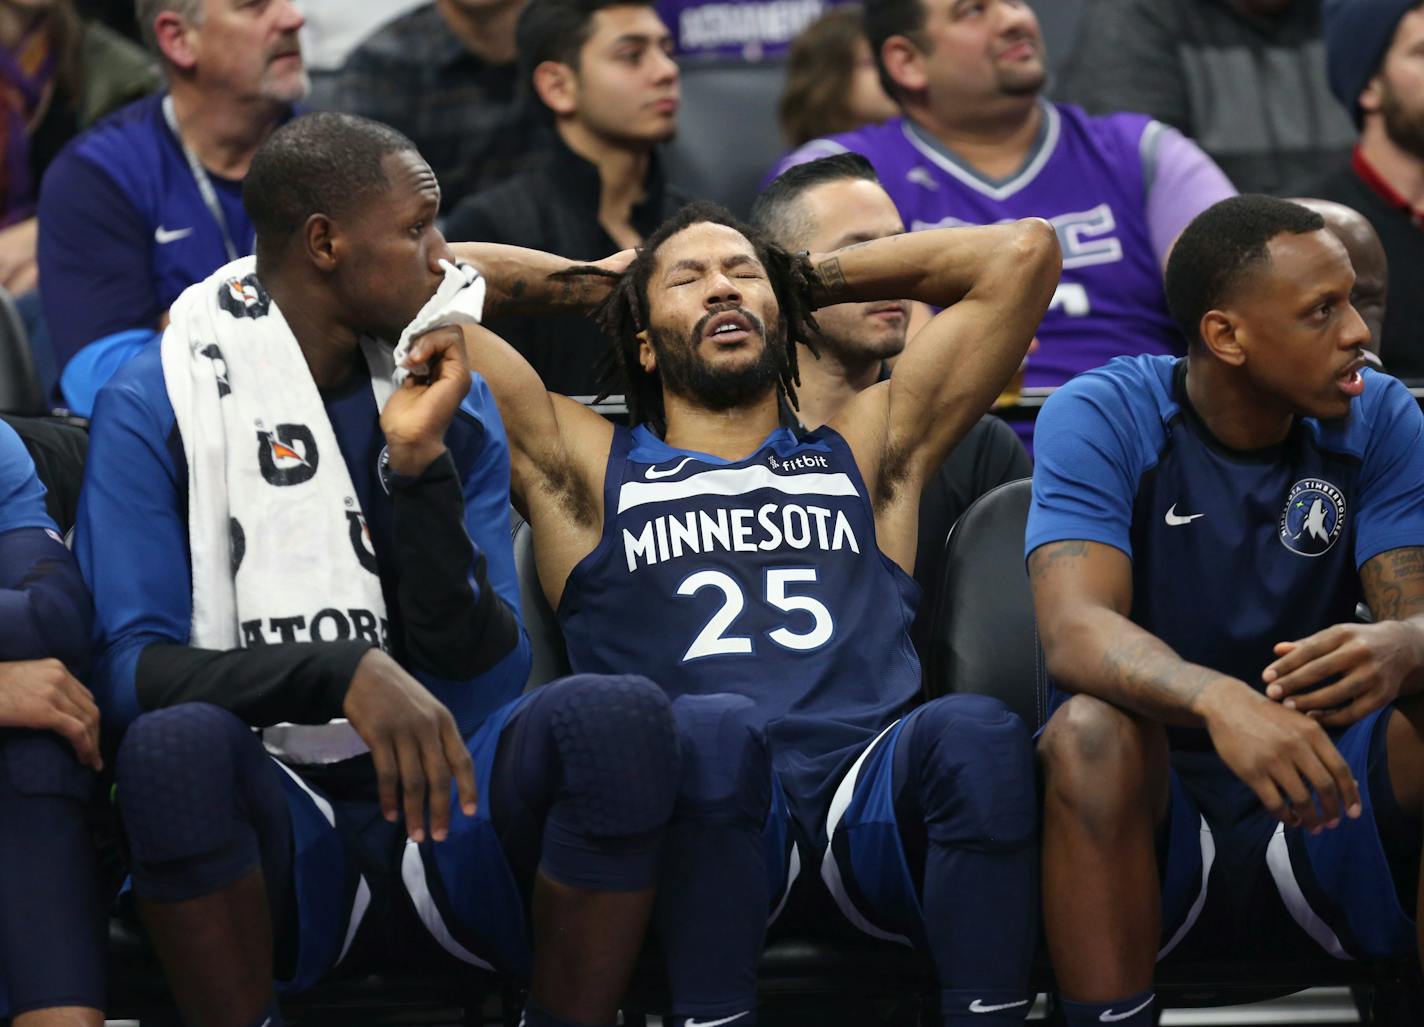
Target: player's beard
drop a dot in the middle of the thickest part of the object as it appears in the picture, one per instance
(686, 373)
(1402, 123)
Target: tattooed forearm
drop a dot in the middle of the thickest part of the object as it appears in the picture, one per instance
(1143, 673)
(1394, 583)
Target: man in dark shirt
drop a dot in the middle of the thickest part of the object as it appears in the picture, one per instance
(823, 206)
(604, 73)
(444, 74)
(1244, 78)
(1377, 71)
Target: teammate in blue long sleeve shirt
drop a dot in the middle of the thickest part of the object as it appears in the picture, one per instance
(51, 921)
(246, 869)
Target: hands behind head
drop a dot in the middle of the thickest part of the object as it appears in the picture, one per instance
(618, 262)
(417, 415)
(42, 694)
(414, 744)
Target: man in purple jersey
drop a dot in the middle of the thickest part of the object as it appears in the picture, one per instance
(978, 144)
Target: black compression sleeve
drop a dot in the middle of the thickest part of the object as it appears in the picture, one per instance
(455, 624)
(297, 682)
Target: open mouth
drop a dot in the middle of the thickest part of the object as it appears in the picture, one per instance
(1351, 381)
(729, 328)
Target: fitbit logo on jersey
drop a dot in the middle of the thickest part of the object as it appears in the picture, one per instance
(765, 529)
(799, 462)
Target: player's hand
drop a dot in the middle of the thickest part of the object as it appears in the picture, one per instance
(42, 694)
(419, 412)
(618, 262)
(1285, 757)
(1371, 661)
(414, 744)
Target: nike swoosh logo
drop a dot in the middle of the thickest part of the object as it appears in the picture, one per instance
(653, 475)
(1174, 519)
(978, 1006)
(163, 236)
(1108, 1016)
(715, 1023)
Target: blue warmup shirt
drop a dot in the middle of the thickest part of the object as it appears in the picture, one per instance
(1231, 551)
(761, 577)
(132, 543)
(44, 606)
(124, 229)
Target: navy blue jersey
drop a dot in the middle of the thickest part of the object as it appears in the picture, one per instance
(1231, 552)
(761, 577)
(132, 535)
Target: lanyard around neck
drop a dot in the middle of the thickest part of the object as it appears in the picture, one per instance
(201, 180)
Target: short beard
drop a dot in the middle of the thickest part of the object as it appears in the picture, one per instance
(1404, 127)
(686, 374)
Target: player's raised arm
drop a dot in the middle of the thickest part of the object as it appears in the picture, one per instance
(524, 281)
(995, 284)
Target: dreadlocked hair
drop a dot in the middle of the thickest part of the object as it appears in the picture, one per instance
(624, 314)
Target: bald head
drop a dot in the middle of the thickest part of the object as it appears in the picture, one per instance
(1367, 255)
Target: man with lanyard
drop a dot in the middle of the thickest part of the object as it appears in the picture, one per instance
(149, 201)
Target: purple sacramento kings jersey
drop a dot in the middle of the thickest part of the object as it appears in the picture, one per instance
(761, 577)
(1090, 177)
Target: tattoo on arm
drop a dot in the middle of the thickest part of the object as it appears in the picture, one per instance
(1150, 678)
(831, 280)
(1046, 558)
(1394, 583)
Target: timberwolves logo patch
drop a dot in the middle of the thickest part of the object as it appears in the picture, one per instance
(383, 468)
(1313, 517)
(287, 455)
(244, 297)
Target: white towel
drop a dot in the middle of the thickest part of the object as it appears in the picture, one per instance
(275, 528)
(459, 300)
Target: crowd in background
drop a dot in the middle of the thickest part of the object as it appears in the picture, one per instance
(544, 138)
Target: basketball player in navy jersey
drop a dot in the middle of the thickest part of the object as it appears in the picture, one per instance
(1201, 533)
(763, 579)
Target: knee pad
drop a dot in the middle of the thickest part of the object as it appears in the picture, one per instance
(970, 760)
(617, 751)
(726, 762)
(178, 773)
(41, 764)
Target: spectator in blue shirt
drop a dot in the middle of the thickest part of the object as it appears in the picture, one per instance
(149, 201)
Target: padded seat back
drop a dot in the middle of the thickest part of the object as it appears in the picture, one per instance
(20, 389)
(546, 641)
(984, 640)
(58, 447)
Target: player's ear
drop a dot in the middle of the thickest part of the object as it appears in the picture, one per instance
(1372, 96)
(1221, 335)
(322, 242)
(556, 86)
(647, 359)
(904, 63)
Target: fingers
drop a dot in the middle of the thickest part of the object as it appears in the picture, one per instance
(412, 787)
(1343, 779)
(1309, 662)
(78, 734)
(437, 774)
(1352, 687)
(458, 757)
(1362, 707)
(387, 780)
